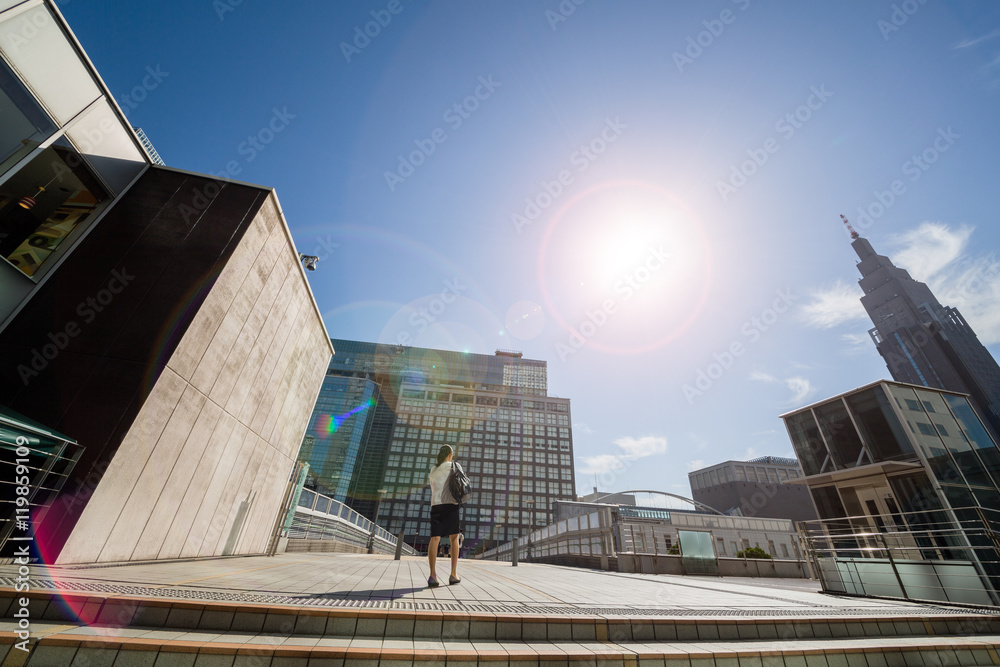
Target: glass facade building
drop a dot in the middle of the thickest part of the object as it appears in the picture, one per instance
(910, 468)
(921, 446)
(385, 411)
(341, 419)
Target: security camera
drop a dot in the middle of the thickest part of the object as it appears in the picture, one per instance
(309, 261)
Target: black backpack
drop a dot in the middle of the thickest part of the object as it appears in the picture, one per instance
(459, 484)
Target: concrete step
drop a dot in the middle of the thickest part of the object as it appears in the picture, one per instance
(455, 624)
(120, 631)
(61, 646)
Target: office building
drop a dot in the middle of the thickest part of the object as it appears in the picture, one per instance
(385, 410)
(161, 347)
(759, 488)
(923, 342)
(917, 473)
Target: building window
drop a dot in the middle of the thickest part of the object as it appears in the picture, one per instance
(44, 203)
(721, 545)
(25, 124)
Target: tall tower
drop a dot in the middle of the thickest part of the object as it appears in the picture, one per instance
(922, 341)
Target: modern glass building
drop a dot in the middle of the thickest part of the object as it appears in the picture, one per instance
(385, 410)
(337, 429)
(922, 341)
(905, 473)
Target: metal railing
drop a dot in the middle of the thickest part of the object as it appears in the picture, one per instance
(586, 535)
(319, 517)
(943, 555)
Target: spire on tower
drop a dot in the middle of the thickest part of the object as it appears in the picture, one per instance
(854, 234)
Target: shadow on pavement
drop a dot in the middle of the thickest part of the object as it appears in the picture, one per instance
(378, 594)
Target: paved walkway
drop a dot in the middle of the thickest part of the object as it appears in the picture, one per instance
(348, 610)
(334, 580)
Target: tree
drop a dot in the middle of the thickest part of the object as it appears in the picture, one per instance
(753, 552)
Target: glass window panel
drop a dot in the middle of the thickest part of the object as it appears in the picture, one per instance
(43, 204)
(880, 429)
(806, 442)
(25, 125)
(841, 438)
(827, 502)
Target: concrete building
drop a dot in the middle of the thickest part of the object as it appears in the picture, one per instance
(760, 487)
(385, 410)
(922, 341)
(905, 480)
(655, 530)
(157, 318)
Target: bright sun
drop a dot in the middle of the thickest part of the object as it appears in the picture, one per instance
(630, 259)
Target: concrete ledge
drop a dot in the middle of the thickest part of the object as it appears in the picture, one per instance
(115, 615)
(949, 651)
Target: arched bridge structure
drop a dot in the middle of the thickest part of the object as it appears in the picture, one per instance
(701, 506)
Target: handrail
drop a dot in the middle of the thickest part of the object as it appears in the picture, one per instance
(925, 556)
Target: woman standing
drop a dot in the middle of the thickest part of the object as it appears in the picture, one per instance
(444, 515)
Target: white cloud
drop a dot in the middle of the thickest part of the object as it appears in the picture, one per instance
(858, 342)
(832, 306)
(972, 41)
(696, 464)
(937, 254)
(856, 339)
(598, 465)
(801, 388)
(583, 428)
(930, 248)
(934, 253)
(637, 448)
(630, 448)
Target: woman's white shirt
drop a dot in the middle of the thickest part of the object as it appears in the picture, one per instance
(438, 479)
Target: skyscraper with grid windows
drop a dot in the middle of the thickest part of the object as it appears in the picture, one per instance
(922, 341)
(385, 410)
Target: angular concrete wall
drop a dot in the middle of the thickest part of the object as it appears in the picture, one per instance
(202, 469)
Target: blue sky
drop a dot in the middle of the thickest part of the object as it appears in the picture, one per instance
(638, 193)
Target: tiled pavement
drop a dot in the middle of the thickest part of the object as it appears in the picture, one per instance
(325, 578)
(347, 610)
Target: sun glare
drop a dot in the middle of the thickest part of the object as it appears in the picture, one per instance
(632, 251)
